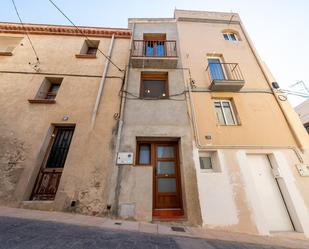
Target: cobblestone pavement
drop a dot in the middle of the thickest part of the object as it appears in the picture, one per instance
(18, 233)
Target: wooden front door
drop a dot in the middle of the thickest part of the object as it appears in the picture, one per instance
(50, 173)
(167, 186)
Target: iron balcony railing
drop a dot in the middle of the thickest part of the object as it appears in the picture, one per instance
(224, 72)
(142, 48)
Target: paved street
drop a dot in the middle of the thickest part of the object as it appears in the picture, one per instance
(18, 233)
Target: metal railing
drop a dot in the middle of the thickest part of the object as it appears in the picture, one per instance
(224, 72)
(142, 48)
(47, 184)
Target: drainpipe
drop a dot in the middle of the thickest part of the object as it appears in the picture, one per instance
(299, 140)
(115, 181)
(102, 82)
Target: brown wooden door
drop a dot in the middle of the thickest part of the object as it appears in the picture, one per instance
(167, 187)
(48, 179)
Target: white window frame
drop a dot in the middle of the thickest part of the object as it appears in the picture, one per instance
(222, 109)
(230, 37)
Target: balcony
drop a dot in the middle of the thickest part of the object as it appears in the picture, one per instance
(225, 77)
(154, 54)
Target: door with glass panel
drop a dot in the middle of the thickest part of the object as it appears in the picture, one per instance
(167, 188)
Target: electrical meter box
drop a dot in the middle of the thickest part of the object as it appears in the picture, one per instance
(303, 169)
(125, 158)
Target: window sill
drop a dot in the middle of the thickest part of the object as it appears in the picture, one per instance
(86, 56)
(6, 53)
(142, 165)
(42, 101)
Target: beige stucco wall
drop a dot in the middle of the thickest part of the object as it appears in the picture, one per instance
(25, 128)
(261, 124)
(261, 120)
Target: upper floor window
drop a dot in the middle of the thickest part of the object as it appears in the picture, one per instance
(225, 112)
(307, 127)
(154, 45)
(8, 44)
(230, 36)
(48, 90)
(154, 85)
(89, 49)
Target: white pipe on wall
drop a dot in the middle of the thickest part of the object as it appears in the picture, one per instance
(102, 82)
(114, 180)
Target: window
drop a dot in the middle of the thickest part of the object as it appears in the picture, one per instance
(209, 162)
(230, 37)
(154, 44)
(154, 86)
(205, 163)
(8, 44)
(216, 68)
(144, 153)
(225, 113)
(307, 127)
(89, 49)
(48, 90)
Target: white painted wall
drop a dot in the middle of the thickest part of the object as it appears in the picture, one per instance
(268, 193)
(303, 111)
(288, 186)
(215, 192)
(217, 200)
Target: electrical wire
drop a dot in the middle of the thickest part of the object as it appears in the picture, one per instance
(22, 24)
(88, 40)
(136, 97)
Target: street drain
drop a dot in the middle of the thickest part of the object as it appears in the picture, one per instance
(118, 223)
(178, 229)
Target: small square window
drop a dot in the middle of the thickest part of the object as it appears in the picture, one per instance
(154, 86)
(205, 163)
(92, 50)
(49, 88)
(53, 90)
(90, 47)
(307, 127)
(8, 44)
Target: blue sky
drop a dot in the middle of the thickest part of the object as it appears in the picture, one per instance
(278, 28)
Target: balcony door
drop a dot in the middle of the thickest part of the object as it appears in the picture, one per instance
(154, 45)
(216, 69)
(48, 179)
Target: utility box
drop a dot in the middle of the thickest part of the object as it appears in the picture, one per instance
(125, 158)
(303, 169)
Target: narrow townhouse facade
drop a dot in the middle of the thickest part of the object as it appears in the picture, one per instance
(250, 148)
(303, 113)
(159, 182)
(184, 123)
(59, 115)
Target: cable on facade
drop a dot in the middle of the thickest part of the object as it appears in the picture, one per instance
(136, 97)
(22, 24)
(88, 40)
